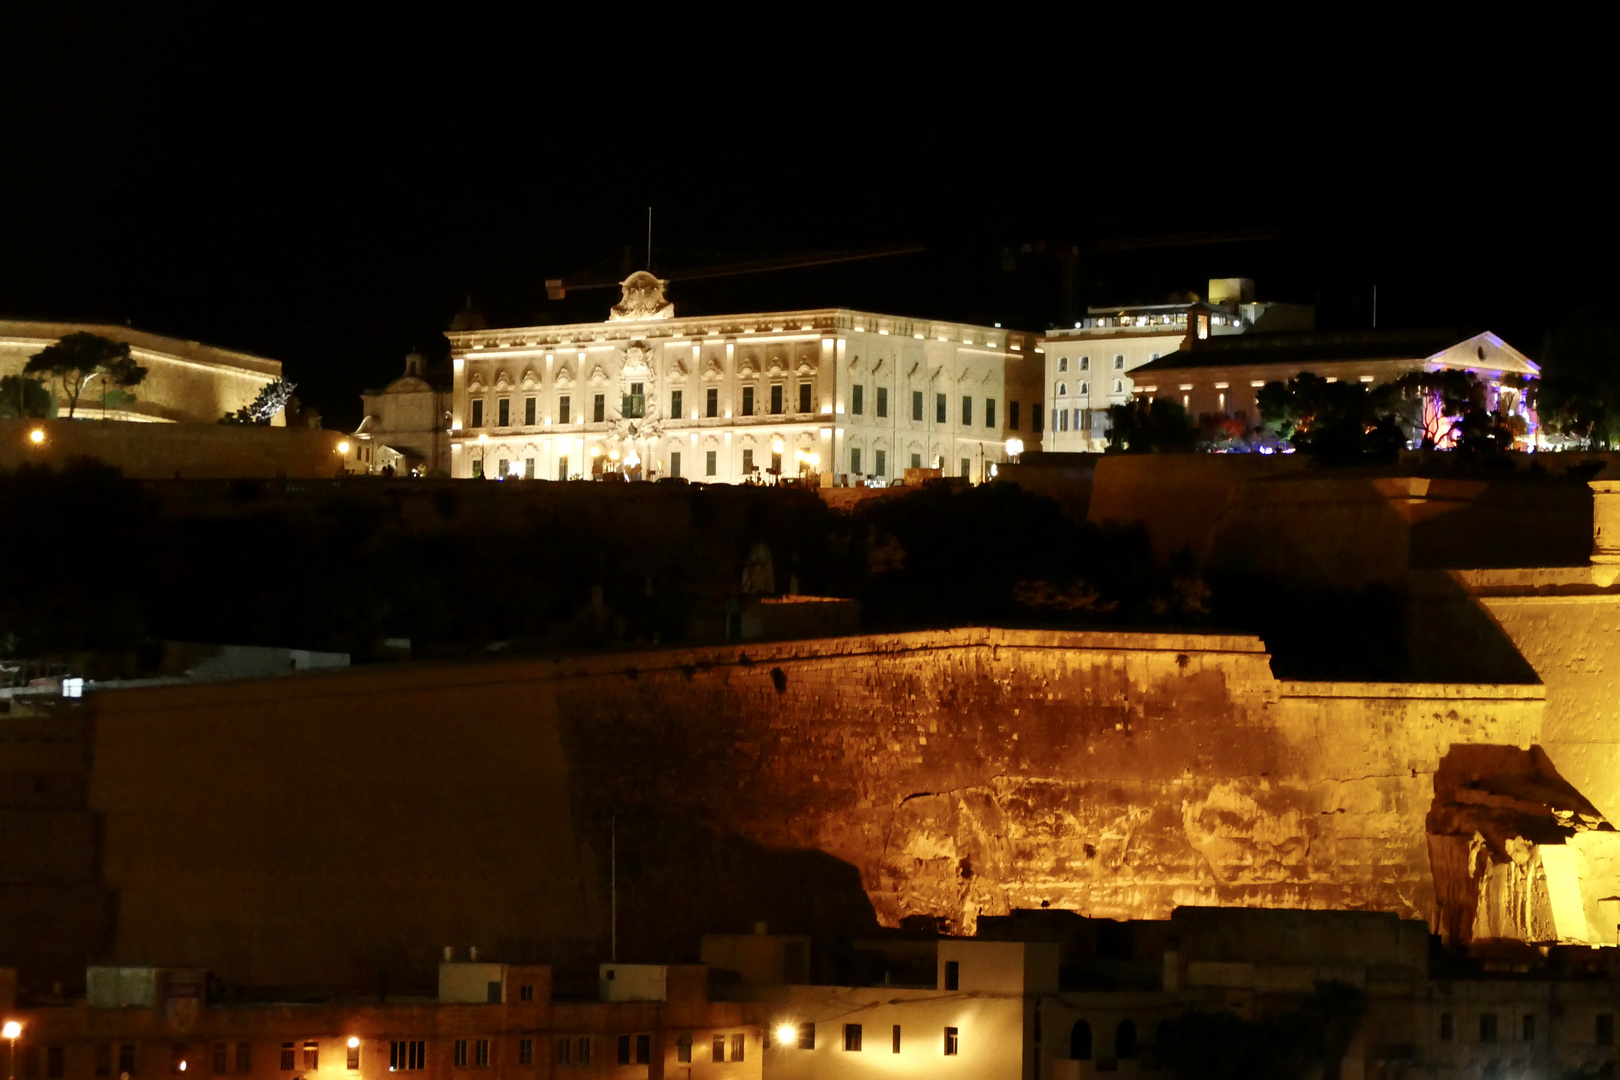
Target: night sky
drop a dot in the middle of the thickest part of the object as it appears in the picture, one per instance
(328, 194)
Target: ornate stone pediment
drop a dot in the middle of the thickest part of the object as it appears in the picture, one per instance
(749, 368)
(503, 381)
(713, 370)
(564, 376)
(476, 383)
(598, 376)
(636, 359)
(642, 298)
(530, 379)
(806, 368)
(678, 367)
(776, 367)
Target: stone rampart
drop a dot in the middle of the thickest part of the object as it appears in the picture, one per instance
(158, 451)
(333, 826)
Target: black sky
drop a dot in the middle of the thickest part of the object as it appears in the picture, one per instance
(326, 193)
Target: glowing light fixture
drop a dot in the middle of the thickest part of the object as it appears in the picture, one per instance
(182, 1066)
(1015, 447)
(36, 437)
(786, 1034)
(12, 1030)
(343, 447)
(354, 1042)
(776, 446)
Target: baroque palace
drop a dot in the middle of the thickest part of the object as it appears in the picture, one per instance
(845, 394)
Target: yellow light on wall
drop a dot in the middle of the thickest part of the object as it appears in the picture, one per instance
(36, 437)
(787, 1034)
(354, 1042)
(343, 447)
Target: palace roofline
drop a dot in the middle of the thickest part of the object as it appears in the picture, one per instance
(817, 321)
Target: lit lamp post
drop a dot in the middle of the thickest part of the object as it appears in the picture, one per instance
(12, 1031)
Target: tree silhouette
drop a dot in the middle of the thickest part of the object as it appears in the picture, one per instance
(78, 358)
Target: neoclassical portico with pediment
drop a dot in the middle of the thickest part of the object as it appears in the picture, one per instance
(727, 399)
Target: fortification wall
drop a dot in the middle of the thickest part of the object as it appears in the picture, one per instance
(327, 827)
(158, 451)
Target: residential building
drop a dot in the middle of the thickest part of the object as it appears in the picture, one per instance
(186, 381)
(1090, 366)
(406, 427)
(846, 394)
(488, 1020)
(1221, 378)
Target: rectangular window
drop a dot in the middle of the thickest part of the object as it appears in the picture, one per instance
(683, 1048)
(967, 469)
(352, 1060)
(503, 410)
(1445, 1027)
(854, 459)
(939, 408)
(312, 1055)
(599, 408)
(501, 468)
(477, 414)
(624, 1049)
(289, 1057)
(857, 399)
(882, 401)
(1119, 363)
(528, 411)
(776, 463)
(967, 411)
(990, 412)
(562, 409)
(852, 1037)
(776, 399)
(748, 401)
(1487, 1027)
(717, 1052)
(952, 1042)
(54, 1063)
(1035, 418)
(1529, 1026)
(711, 401)
(1085, 363)
(103, 1060)
(881, 462)
(528, 468)
(408, 1056)
(460, 1054)
(916, 461)
(1603, 1029)
(1060, 420)
(748, 461)
(804, 397)
(222, 1059)
(807, 1037)
(711, 462)
(916, 405)
(563, 1046)
(675, 405)
(1012, 416)
(738, 1044)
(634, 404)
(643, 1049)
(244, 1057)
(481, 1053)
(674, 463)
(896, 1039)
(526, 1051)
(584, 1048)
(562, 467)
(478, 468)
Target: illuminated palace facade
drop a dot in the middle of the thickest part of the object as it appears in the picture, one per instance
(726, 399)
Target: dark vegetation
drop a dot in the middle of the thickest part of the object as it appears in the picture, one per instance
(101, 564)
(1308, 1041)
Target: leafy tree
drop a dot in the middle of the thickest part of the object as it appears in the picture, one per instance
(78, 358)
(1140, 426)
(1580, 384)
(21, 396)
(1334, 421)
(271, 399)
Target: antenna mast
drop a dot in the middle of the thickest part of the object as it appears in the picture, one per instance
(649, 238)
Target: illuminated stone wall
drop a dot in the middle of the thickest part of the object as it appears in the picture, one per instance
(331, 826)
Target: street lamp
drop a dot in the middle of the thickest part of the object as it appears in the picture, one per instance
(12, 1031)
(1014, 448)
(37, 436)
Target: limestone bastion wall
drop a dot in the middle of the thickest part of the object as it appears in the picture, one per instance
(331, 826)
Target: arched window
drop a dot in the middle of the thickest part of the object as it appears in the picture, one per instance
(1119, 386)
(1063, 389)
(1063, 363)
(1080, 1041)
(1085, 388)
(1125, 1040)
